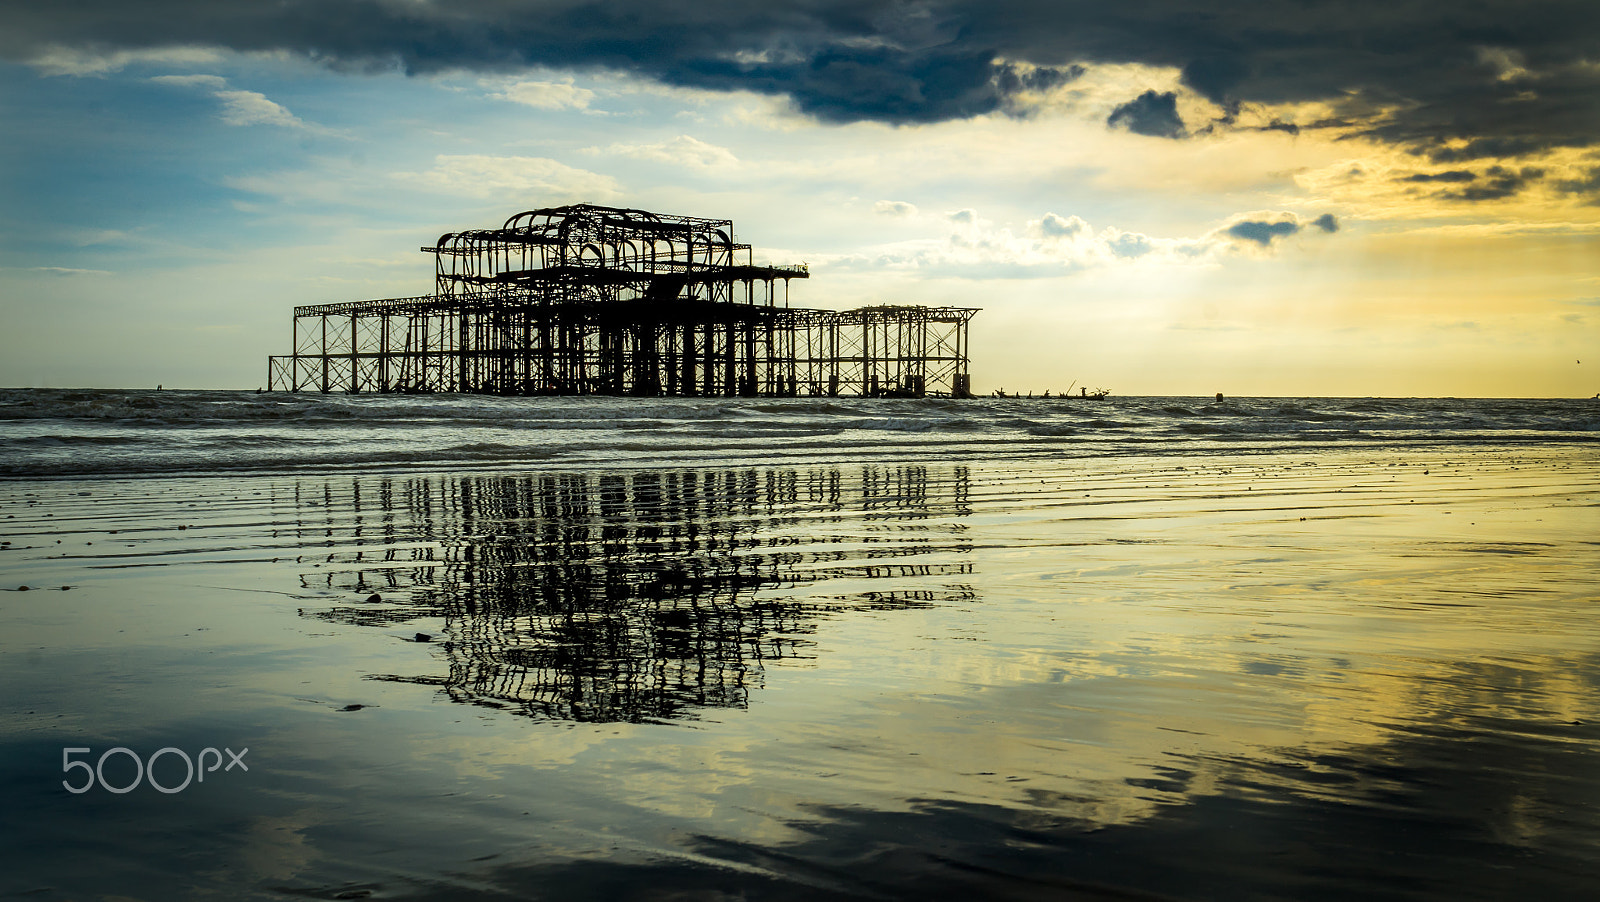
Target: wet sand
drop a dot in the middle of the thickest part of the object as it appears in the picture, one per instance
(1330, 675)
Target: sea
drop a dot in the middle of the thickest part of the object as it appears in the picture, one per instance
(99, 432)
(270, 646)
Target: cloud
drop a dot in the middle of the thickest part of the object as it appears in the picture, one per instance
(537, 179)
(1150, 114)
(1588, 182)
(100, 237)
(80, 62)
(251, 108)
(1263, 230)
(238, 107)
(1127, 245)
(894, 208)
(683, 150)
(1262, 233)
(1057, 227)
(1014, 79)
(1453, 175)
(1498, 182)
(59, 270)
(1456, 82)
(1056, 245)
(1494, 183)
(209, 82)
(546, 95)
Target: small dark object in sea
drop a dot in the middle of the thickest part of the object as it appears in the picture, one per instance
(424, 637)
(352, 707)
(374, 598)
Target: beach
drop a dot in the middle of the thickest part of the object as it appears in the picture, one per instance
(799, 649)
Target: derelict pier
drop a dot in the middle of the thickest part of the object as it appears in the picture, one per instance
(585, 299)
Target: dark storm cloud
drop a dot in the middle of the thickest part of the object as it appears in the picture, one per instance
(1263, 233)
(1150, 114)
(1454, 175)
(1494, 183)
(1453, 81)
(1588, 183)
(1498, 182)
(1010, 80)
(887, 84)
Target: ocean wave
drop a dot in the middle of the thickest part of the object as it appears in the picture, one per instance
(897, 424)
(83, 431)
(72, 439)
(1305, 413)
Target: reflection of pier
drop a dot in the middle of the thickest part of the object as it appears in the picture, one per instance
(596, 300)
(635, 596)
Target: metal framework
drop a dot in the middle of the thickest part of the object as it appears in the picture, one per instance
(585, 299)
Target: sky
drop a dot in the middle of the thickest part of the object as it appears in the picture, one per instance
(1157, 197)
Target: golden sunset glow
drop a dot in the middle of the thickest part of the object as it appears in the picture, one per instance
(1127, 212)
